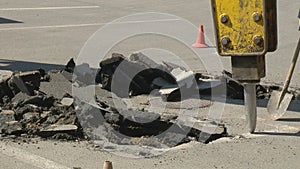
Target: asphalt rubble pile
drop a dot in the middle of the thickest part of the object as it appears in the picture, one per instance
(39, 103)
(27, 111)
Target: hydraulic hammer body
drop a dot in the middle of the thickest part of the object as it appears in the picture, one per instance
(246, 30)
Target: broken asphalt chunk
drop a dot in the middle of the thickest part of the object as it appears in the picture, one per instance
(22, 99)
(57, 87)
(8, 123)
(137, 73)
(26, 82)
(67, 132)
(67, 101)
(57, 128)
(70, 66)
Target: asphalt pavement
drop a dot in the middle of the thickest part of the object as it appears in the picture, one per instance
(50, 32)
(47, 33)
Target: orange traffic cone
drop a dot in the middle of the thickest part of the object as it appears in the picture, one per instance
(107, 165)
(200, 43)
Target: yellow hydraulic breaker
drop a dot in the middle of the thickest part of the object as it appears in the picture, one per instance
(246, 30)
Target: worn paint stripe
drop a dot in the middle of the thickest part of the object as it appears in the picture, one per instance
(82, 25)
(29, 158)
(49, 8)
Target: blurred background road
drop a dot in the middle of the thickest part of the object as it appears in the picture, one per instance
(47, 33)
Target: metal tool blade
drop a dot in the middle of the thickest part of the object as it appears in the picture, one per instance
(250, 105)
(275, 111)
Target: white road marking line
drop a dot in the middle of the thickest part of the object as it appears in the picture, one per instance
(82, 25)
(48, 8)
(51, 26)
(29, 158)
(277, 129)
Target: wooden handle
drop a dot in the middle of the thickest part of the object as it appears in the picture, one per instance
(291, 71)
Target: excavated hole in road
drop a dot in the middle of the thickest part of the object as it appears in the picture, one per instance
(44, 106)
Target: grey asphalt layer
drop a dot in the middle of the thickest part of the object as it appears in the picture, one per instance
(53, 35)
(47, 33)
